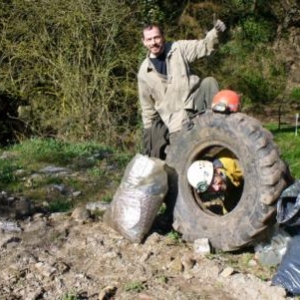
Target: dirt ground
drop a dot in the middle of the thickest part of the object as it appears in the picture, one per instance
(77, 256)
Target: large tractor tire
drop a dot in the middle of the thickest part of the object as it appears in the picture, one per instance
(264, 179)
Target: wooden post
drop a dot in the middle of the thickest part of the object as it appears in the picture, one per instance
(296, 124)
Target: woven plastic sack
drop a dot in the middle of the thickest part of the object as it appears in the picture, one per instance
(138, 198)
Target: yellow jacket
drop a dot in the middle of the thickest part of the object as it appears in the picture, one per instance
(230, 166)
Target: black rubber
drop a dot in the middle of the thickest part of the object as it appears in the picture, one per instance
(264, 180)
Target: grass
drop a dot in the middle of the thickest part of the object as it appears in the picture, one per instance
(59, 152)
(174, 237)
(134, 286)
(70, 296)
(7, 171)
(289, 145)
(96, 171)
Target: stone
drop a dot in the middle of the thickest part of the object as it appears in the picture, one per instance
(107, 293)
(227, 272)
(80, 214)
(45, 269)
(188, 262)
(97, 206)
(175, 265)
(202, 246)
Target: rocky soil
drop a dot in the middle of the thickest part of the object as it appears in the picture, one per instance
(76, 255)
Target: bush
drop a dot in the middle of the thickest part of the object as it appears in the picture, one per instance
(69, 62)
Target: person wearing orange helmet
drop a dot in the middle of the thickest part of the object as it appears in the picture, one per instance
(168, 90)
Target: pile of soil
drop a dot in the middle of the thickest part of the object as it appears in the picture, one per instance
(77, 256)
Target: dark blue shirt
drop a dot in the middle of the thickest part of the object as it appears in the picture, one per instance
(159, 63)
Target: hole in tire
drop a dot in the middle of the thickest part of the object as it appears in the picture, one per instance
(221, 203)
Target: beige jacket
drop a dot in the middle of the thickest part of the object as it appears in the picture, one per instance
(169, 96)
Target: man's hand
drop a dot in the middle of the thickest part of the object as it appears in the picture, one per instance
(220, 26)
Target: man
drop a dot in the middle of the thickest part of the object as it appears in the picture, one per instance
(168, 91)
(220, 179)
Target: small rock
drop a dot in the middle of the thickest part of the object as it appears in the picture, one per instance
(62, 188)
(202, 246)
(38, 216)
(145, 297)
(8, 155)
(145, 256)
(153, 239)
(76, 194)
(45, 269)
(188, 276)
(107, 293)
(80, 214)
(3, 239)
(9, 227)
(35, 226)
(188, 262)
(176, 265)
(97, 206)
(20, 172)
(3, 194)
(58, 217)
(227, 272)
(33, 180)
(13, 242)
(252, 263)
(111, 254)
(62, 267)
(53, 170)
(34, 294)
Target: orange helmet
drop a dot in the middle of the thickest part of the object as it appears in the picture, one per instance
(226, 100)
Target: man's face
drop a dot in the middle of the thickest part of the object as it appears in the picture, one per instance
(153, 40)
(218, 184)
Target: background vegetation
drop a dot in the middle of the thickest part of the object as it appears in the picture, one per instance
(96, 169)
(68, 71)
(68, 68)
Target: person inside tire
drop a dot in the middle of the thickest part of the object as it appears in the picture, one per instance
(218, 181)
(168, 91)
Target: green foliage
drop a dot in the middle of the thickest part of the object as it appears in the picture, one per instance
(120, 159)
(107, 198)
(7, 171)
(255, 31)
(69, 62)
(162, 279)
(60, 205)
(295, 94)
(73, 64)
(251, 71)
(96, 172)
(134, 286)
(70, 296)
(55, 151)
(151, 12)
(174, 236)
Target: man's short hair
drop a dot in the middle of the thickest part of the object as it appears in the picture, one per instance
(151, 26)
